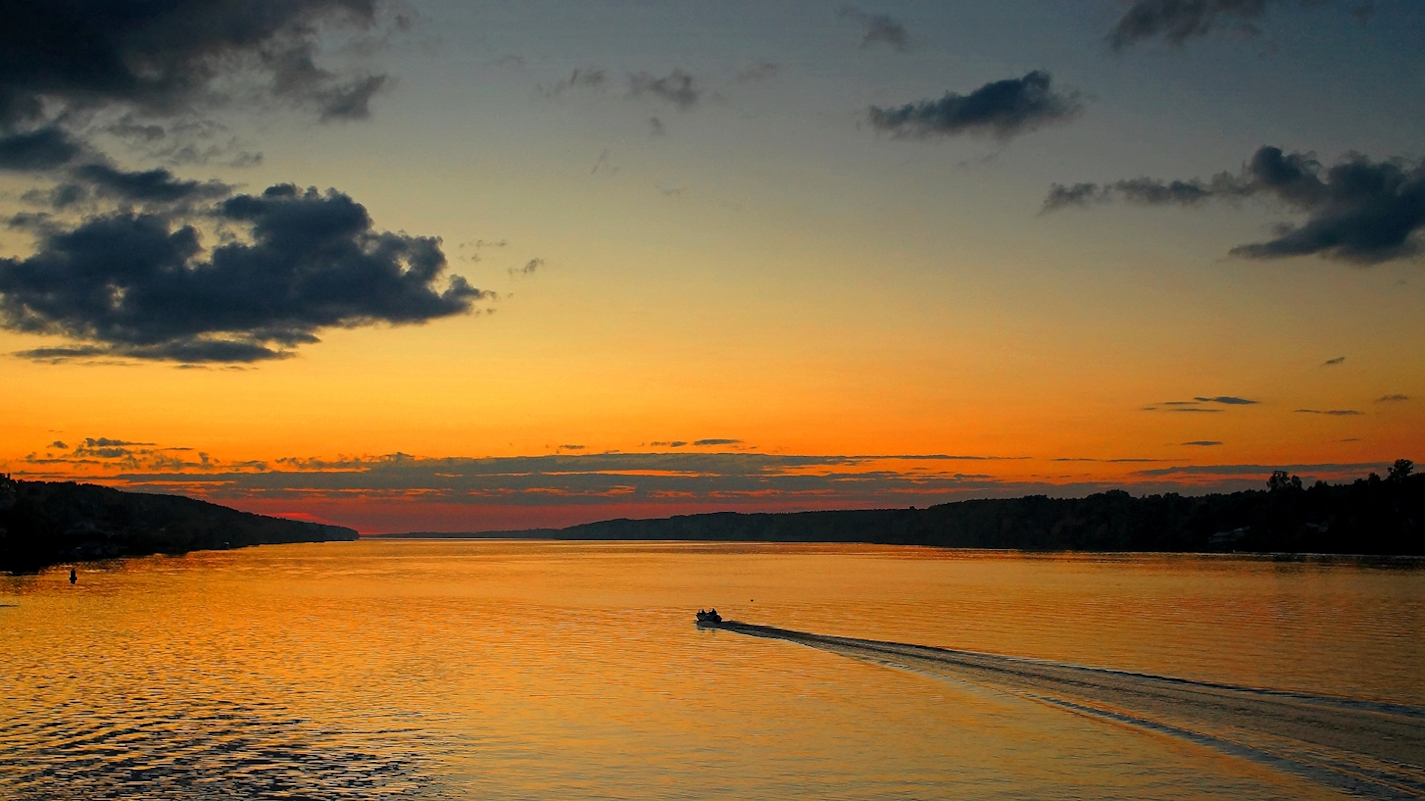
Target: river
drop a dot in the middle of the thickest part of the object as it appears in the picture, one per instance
(538, 670)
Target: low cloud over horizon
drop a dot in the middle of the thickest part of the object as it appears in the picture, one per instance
(570, 487)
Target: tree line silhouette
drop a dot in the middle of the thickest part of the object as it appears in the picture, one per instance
(1376, 516)
(48, 523)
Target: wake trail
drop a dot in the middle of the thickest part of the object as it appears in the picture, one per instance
(1374, 750)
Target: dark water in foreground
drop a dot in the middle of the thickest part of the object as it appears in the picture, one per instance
(562, 670)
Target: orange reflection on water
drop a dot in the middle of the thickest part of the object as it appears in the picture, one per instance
(529, 669)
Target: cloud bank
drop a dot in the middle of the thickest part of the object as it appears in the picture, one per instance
(1002, 109)
(162, 56)
(119, 266)
(402, 492)
(1357, 210)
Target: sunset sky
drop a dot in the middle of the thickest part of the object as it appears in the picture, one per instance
(567, 261)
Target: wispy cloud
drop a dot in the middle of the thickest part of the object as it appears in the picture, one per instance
(1356, 210)
(530, 268)
(1392, 398)
(1179, 21)
(1333, 362)
(1200, 404)
(759, 72)
(1331, 412)
(583, 78)
(1002, 109)
(1203, 443)
(1331, 470)
(877, 28)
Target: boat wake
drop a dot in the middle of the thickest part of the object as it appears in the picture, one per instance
(1372, 750)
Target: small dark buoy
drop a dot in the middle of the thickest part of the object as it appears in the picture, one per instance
(73, 576)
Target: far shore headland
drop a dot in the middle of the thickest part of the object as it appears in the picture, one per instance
(1372, 516)
(44, 524)
(49, 523)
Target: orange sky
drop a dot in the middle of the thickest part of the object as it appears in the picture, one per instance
(749, 263)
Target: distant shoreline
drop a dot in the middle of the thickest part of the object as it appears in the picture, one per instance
(1265, 556)
(43, 524)
(1367, 518)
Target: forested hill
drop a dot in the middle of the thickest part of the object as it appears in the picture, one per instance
(43, 523)
(1370, 516)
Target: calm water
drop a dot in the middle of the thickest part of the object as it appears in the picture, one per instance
(554, 670)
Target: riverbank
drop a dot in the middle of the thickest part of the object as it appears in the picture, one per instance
(49, 523)
(1368, 517)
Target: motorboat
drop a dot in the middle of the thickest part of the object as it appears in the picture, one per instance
(708, 617)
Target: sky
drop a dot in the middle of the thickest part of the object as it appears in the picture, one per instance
(468, 266)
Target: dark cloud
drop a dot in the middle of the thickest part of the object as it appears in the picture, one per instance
(1196, 404)
(162, 56)
(1177, 21)
(1204, 443)
(567, 478)
(878, 28)
(677, 87)
(42, 149)
(1333, 362)
(141, 286)
(703, 443)
(1331, 412)
(1392, 398)
(1357, 210)
(655, 127)
(59, 444)
(1002, 109)
(677, 443)
(106, 442)
(150, 186)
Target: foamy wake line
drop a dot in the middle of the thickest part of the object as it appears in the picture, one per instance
(1369, 749)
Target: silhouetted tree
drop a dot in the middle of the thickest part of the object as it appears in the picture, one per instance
(1401, 470)
(1281, 481)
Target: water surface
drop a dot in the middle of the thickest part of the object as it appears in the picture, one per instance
(449, 669)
